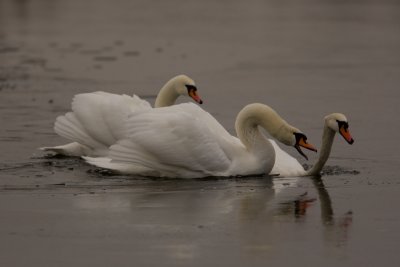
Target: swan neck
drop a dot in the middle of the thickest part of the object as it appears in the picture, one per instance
(167, 95)
(254, 115)
(251, 136)
(327, 141)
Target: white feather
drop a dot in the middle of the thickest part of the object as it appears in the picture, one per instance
(98, 119)
(96, 122)
(185, 141)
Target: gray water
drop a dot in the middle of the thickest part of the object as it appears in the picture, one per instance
(304, 58)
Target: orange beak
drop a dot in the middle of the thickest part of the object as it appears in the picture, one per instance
(303, 143)
(193, 94)
(346, 135)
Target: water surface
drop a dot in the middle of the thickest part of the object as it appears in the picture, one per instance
(305, 59)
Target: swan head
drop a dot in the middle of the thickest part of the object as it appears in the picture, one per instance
(297, 139)
(338, 123)
(256, 114)
(185, 86)
(291, 136)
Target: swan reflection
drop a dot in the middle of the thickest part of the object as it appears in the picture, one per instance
(336, 228)
(252, 215)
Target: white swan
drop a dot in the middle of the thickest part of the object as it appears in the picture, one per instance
(187, 142)
(286, 165)
(97, 119)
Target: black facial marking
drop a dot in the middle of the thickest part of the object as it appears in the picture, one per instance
(191, 87)
(299, 136)
(343, 124)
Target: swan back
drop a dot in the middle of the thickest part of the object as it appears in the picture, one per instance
(181, 141)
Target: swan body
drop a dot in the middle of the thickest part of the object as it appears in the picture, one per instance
(187, 142)
(286, 165)
(97, 119)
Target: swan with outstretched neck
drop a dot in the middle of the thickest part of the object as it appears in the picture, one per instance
(97, 119)
(184, 141)
(286, 165)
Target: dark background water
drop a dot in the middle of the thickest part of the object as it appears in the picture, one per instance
(304, 58)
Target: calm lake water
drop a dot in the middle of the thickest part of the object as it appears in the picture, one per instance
(304, 58)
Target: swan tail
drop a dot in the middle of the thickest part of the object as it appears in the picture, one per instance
(72, 149)
(102, 162)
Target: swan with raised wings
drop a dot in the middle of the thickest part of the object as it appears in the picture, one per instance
(187, 142)
(97, 119)
(286, 165)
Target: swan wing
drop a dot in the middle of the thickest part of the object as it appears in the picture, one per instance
(177, 141)
(98, 119)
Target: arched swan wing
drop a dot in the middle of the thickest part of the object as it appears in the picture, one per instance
(181, 140)
(98, 119)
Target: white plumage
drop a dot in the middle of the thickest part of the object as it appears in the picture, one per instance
(98, 119)
(185, 141)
